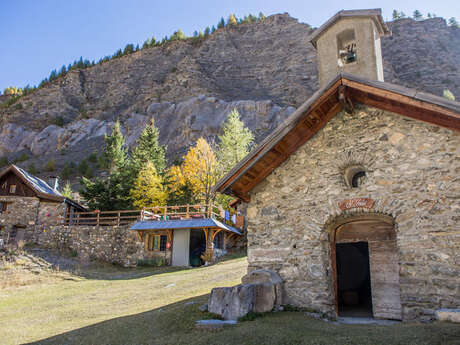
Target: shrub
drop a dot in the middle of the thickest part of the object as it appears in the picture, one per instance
(449, 95)
(32, 169)
(23, 157)
(59, 121)
(84, 169)
(50, 165)
(93, 157)
(66, 172)
(4, 161)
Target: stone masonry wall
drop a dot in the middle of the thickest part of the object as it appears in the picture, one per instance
(413, 173)
(116, 245)
(50, 213)
(20, 211)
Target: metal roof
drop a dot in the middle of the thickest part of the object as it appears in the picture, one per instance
(183, 224)
(37, 183)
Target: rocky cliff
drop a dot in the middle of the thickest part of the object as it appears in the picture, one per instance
(264, 69)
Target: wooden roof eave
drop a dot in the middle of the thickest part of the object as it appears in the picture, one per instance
(406, 102)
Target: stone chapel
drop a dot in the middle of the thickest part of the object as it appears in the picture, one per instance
(355, 199)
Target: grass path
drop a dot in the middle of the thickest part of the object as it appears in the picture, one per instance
(35, 312)
(160, 306)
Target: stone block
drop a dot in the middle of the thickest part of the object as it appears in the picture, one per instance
(452, 315)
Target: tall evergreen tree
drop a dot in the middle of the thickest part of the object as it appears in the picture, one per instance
(395, 15)
(453, 22)
(148, 149)
(115, 151)
(235, 142)
(221, 23)
(417, 15)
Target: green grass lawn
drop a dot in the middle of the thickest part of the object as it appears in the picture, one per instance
(160, 305)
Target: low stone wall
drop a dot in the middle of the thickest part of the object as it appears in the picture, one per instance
(116, 245)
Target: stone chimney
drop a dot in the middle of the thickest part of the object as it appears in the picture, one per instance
(350, 42)
(53, 182)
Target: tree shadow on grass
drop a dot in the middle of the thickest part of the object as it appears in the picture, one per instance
(175, 324)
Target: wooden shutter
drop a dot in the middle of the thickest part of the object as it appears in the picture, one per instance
(384, 265)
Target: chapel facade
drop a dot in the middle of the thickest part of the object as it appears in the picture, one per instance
(354, 199)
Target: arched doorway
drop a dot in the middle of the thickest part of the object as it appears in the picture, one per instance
(365, 267)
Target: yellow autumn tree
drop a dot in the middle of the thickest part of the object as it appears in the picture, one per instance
(148, 189)
(232, 20)
(200, 170)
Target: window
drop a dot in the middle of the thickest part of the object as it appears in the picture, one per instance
(346, 46)
(355, 176)
(157, 243)
(12, 188)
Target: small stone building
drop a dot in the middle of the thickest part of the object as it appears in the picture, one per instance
(27, 201)
(355, 199)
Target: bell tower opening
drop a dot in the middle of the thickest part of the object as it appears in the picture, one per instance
(350, 42)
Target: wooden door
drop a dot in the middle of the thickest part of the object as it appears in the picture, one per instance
(384, 266)
(181, 247)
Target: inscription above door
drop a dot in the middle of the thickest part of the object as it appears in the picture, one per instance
(356, 203)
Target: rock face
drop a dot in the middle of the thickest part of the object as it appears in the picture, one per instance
(181, 124)
(412, 171)
(260, 292)
(271, 60)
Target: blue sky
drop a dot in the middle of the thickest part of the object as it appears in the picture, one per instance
(40, 35)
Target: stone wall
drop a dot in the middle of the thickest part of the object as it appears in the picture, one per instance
(413, 173)
(116, 245)
(50, 213)
(20, 211)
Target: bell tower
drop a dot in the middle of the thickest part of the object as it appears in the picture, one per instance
(350, 42)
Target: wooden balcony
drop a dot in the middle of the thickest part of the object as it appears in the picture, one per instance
(158, 213)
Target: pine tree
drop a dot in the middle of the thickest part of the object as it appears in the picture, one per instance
(261, 16)
(148, 189)
(178, 35)
(129, 48)
(148, 149)
(453, 22)
(115, 152)
(417, 15)
(67, 191)
(221, 23)
(207, 31)
(235, 142)
(395, 15)
(402, 14)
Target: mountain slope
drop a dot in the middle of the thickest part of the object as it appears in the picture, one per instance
(270, 61)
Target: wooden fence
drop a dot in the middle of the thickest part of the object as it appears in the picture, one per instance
(125, 217)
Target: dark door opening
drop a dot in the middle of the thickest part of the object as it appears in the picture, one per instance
(197, 247)
(353, 279)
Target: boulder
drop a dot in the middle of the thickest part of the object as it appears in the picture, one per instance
(266, 277)
(260, 292)
(232, 302)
